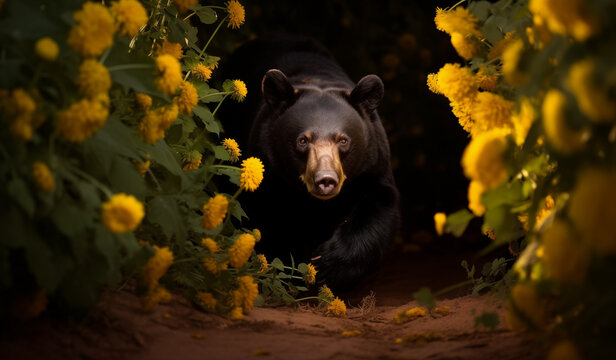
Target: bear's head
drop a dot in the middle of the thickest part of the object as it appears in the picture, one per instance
(320, 134)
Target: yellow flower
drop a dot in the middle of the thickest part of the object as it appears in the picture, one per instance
(565, 256)
(487, 78)
(241, 250)
(188, 97)
(564, 350)
(310, 275)
(184, 5)
(491, 111)
(82, 119)
(257, 234)
(337, 308)
(156, 266)
(46, 48)
(202, 72)
(143, 167)
(168, 74)
(457, 83)
(458, 20)
(483, 159)
(432, 82)
(558, 133)
(214, 211)
(239, 90)
(43, 178)
(325, 294)
(212, 265)
(409, 315)
(475, 190)
(236, 14)
(439, 222)
(246, 293)
(522, 120)
(129, 15)
(193, 163)
(236, 313)
(20, 110)
(566, 17)
(466, 47)
(206, 300)
(525, 306)
(252, 174)
(511, 60)
(170, 48)
(442, 310)
(156, 295)
(210, 245)
(155, 122)
(144, 101)
(593, 99)
(462, 110)
(592, 207)
(232, 148)
(263, 263)
(501, 45)
(122, 213)
(93, 31)
(351, 333)
(93, 78)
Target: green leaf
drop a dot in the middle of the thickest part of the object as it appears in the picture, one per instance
(457, 222)
(277, 264)
(487, 319)
(235, 209)
(206, 14)
(207, 118)
(232, 173)
(70, 218)
(134, 70)
(207, 94)
(259, 301)
(107, 246)
(425, 298)
(164, 211)
(13, 229)
(302, 268)
(481, 9)
(20, 192)
(124, 177)
(161, 154)
(48, 267)
(221, 153)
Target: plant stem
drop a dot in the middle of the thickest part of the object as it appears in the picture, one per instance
(218, 93)
(308, 298)
(212, 36)
(129, 67)
(220, 103)
(453, 287)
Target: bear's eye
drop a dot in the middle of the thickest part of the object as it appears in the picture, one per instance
(302, 142)
(343, 141)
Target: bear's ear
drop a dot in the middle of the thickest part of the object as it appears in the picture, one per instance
(368, 93)
(276, 88)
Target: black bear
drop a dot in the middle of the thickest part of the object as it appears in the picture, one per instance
(328, 195)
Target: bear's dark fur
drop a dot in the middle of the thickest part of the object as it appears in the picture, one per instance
(328, 195)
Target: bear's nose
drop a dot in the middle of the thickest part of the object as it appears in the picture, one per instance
(326, 181)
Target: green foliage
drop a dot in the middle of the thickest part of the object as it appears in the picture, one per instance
(425, 298)
(487, 319)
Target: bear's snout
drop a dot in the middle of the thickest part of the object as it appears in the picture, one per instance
(326, 182)
(324, 175)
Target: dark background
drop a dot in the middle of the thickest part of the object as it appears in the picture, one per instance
(398, 41)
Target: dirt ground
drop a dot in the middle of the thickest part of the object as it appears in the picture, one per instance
(118, 329)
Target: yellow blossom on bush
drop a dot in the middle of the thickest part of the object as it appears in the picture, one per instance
(462, 110)
(557, 131)
(310, 275)
(20, 110)
(168, 74)
(432, 82)
(239, 90)
(511, 60)
(193, 163)
(458, 20)
(252, 174)
(236, 313)
(487, 78)
(522, 120)
(43, 178)
(524, 303)
(246, 293)
(144, 101)
(93, 31)
(170, 48)
(81, 119)
(263, 263)
(337, 308)
(257, 234)
(500, 46)
(188, 97)
(129, 15)
(325, 294)
(212, 265)
(491, 111)
(184, 5)
(564, 350)
(466, 47)
(154, 296)
(457, 83)
(592, 207)
(236, 14)
(210, 245)
(46, 48)
(475, 190)
(240, 251)
(156, 266)
(440, 219)
(442, 310)
(409, 315)
(232, 148)
(214, 211)
(483, 159)
(143, 167)
(565, 256)
(155, 122)
(593, 100)
(206, 300)
(122, 213)
(93, 78)
(202, 72)
(566, 17)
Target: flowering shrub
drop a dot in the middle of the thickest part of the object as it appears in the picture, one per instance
(112, 160)
(536, 95)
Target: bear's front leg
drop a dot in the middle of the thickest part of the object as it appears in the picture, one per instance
(359, 242)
